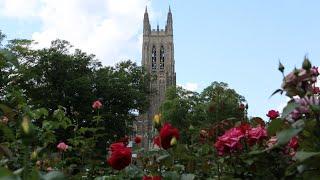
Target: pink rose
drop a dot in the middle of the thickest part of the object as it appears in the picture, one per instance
(273, 114)
(257, 134)
(62, 146)
(229, 141)
(97, 104)
(272, 141)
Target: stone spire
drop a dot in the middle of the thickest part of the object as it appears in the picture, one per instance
(169, 29)
(146, 23)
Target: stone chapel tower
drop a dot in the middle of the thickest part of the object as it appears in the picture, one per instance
(158, 60)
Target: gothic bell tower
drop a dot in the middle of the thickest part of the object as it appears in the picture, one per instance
(158, 61)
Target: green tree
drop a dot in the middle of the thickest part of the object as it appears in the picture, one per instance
(124, 90)
(190, 110)
(66, 82)
(222, 102)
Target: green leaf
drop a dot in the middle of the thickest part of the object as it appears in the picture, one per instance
(315, 108)
(301, 155)
(18, 171)
(133, 171)
(187, 176)
(4, 172)
(7, 132)
(163, 157)
(275, 126)
(54, 175)
(284, 136)
(41, 112)
(171, 175)
(288, 109)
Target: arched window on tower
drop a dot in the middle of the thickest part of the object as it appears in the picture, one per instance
(154, 58)
(162, 56)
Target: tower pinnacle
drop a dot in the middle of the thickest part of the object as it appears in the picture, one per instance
(146, 23)
(169, 29)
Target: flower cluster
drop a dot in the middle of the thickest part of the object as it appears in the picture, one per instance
(304, 105)
(300, 81)
(290, 148)
(231, 140)
(120, 156)
(167, 137)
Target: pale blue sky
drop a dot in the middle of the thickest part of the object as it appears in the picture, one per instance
(237, 42)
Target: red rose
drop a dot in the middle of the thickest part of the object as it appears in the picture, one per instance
(96, 104)
(137, 139)
(256, 134)
(244, 127)
(168, 132)
(116, 146)
(293, 143)
(120, 156)
(272, 114)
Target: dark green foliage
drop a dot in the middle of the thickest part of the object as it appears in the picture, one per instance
(54, 88)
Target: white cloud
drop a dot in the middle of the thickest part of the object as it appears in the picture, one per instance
(190, 86)
(110, 29)
(19, 8)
